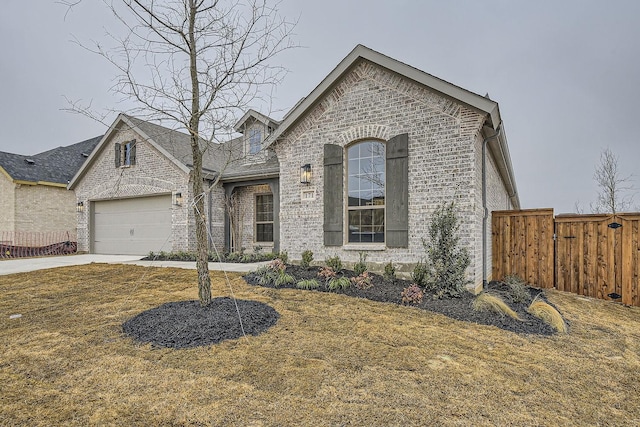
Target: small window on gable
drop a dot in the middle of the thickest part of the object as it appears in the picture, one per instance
(264, 218)
(255, 141)
(125, 154)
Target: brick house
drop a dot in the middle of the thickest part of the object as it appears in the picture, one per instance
(358, 165)
(34, 191)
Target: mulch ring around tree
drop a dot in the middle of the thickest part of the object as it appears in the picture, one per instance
(185, 324)
(390, 291)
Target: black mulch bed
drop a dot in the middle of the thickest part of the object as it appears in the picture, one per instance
(456, 308)
(186, 324)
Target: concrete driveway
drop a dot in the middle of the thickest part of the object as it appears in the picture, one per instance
(23, 265)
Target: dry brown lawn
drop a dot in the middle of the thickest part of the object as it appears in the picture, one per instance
(330, 360)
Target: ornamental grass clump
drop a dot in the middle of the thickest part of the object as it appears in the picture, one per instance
(493, 304)
(338, 283)
(274, 274)
(308, 284)
(548, 314)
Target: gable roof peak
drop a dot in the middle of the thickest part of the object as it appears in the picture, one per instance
(255, 115)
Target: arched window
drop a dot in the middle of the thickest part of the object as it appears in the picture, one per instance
(366, 178)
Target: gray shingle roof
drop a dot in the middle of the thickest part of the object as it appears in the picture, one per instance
(227, 157)
(58, 165)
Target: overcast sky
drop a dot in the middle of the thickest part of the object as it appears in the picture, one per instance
(566, 74)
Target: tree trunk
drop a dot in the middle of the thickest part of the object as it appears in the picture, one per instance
(202, 252)
(202, 249)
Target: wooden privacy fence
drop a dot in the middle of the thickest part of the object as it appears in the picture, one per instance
(592, 255)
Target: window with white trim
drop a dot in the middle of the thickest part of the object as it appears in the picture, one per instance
(255, 141)
(366, 192)
(264, 218)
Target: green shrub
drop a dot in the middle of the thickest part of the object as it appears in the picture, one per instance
(234, 256)
(412, 294)
(361, 266)
(518, 288)
(446, 261)
(420, 274)
(284, 256)
(307, 257)
(362, 281)
(338, 283)
(389, 272)
(308, 284)
(247, 258)
(334, 263)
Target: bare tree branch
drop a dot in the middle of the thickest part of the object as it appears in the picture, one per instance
(616, 192)
(196, 64)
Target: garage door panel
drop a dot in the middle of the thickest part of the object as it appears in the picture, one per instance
(132, 226)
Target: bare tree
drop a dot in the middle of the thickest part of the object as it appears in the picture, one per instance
(615, 192)
(196, 64)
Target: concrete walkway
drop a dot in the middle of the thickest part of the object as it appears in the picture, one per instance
(24, 265)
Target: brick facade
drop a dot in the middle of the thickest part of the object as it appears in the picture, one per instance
(371, 102)
(36, 208)
(153, 174)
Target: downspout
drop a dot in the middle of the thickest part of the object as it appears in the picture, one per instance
(485, 213)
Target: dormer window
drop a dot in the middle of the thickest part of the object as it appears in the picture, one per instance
(255, 141)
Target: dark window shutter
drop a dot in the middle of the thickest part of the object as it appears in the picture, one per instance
(333, 195)
(118, 154)
(397, 189)
(132, 156)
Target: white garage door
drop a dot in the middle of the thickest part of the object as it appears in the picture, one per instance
(132, 226)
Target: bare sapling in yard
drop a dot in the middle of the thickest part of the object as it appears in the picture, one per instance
(196, 65)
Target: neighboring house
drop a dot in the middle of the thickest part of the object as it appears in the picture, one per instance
(34, 191)
(358, 165)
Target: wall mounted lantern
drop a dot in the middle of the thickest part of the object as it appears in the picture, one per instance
(177, 199)
(305, 174)
(80, 207)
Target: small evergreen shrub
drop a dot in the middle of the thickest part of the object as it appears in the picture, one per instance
(284, 256)
(308, 284)
(518, 288)
(446, 261)
(494, 304)
(412, 294)
(389, 272)
(338, 283)
(307, 257)
(362, 281)
(420, 274)
(361, 266)
(549, 315)
(334, 263)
